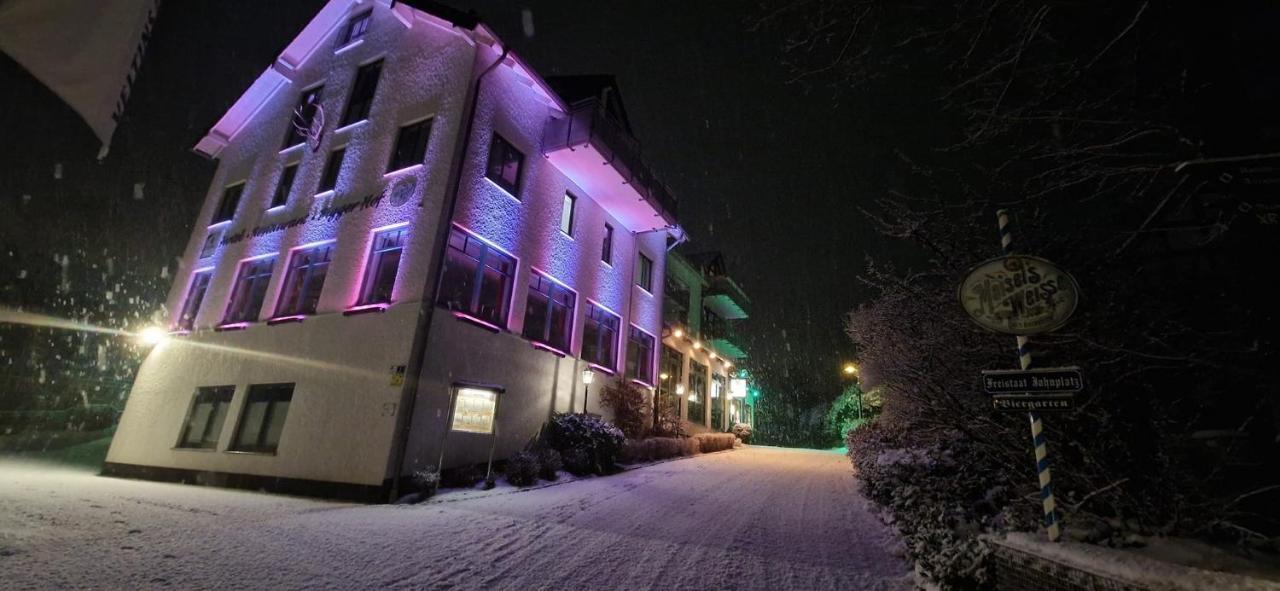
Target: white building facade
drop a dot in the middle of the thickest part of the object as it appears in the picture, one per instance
(403, 215)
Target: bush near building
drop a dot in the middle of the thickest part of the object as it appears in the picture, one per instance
(586, 443)
(523, 468)
(631, 407)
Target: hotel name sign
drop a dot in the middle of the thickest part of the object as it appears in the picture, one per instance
(327, 213)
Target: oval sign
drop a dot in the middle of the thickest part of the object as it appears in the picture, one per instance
(1020, 295)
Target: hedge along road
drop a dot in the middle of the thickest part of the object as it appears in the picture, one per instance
(753, 518)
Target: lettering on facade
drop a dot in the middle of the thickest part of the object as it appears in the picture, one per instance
(327, 213)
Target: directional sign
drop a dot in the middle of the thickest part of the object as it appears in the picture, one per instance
(1033, 402)
(1032, 381)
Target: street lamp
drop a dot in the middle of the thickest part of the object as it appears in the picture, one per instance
(587, 377)
(152, 336)
(850, 369)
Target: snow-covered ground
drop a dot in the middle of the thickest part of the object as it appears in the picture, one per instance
(753, 518)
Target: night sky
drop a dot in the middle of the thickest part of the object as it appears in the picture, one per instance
(768, 172)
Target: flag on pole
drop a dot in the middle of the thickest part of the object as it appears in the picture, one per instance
(87, 53)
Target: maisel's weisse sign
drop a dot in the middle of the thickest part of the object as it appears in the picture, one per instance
(1032, 381)
(1018, 294)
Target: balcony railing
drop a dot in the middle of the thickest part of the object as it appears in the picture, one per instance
(589, 124)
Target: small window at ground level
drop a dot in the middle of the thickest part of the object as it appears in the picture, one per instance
(644, 273)
(383, 265)
(304, 280)
(195, 297)
(204, 421)
(548, 312)
(227, 206)
(411, 145)
(477, 279)
(640, 355)
(505, 162)
(263, 417)
(566, 213)
(600, 337)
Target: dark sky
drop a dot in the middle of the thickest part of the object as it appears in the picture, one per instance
(766, 172)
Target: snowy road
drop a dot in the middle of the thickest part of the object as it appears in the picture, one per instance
(752, 518)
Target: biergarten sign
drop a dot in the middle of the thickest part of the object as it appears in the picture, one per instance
(1034, 403)
(1019, 295)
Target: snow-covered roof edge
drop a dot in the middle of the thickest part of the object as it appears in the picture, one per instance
(313, 36)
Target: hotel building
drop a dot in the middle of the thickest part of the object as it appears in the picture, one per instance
(700, 371)
(412, 248)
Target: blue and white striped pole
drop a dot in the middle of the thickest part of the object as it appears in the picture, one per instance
(1037, 428)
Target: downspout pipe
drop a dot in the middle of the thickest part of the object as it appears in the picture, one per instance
(427, 308)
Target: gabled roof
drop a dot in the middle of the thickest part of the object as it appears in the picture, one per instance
(602, 87)
(314, 36)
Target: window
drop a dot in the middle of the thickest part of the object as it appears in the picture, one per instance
(566, 213)
(303, 116)
(331, 169)
(195, 297)
(548, 315)
(204, 420)
(477, 279)
(362, 92)
(504, 165)
(644, 273)
(606, 249)
(285, 186)
(675, 307)
(384, 263)
(697, 393)
(304, 280)
(356, 28)
(640, 355)
(600, 337)
(249, 291)
(230, 201)
(719, 394)
(411, 145)
(673, 368)
(262, 419)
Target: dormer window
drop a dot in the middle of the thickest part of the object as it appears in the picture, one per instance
(356, 27)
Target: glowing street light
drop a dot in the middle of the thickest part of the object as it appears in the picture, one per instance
(679, 333)
(152, 336)
(587, 377)
(850, 369)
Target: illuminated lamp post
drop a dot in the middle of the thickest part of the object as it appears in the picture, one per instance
(587, 377)
(679, 395)
(850, 371)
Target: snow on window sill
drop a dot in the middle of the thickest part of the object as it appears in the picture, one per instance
(366, 309)
(349, 46)
(294, 148)
(232, 326)
(286, 319)
(399, 171)
(350, 126)
(549, 349)
(478, 322)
